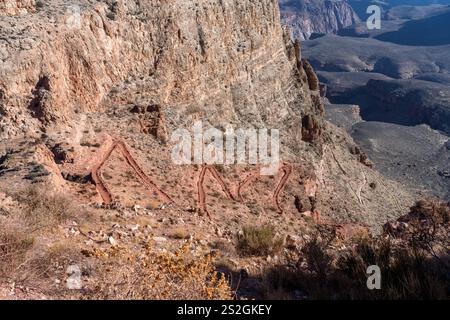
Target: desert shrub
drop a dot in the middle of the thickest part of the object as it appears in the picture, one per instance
(414, 275)
(259, 240)
(14, 245)
(412, 254)
(180, 233)
(224, 247)
(321, 273)
(24, 258)
(279, 283)
(89, 144)
(318, 259)
(21, 261)
(56, 256)
(425, 227)
(42, 209)
(193, 109)
(45, 264)
(39, 4)
(160, 275)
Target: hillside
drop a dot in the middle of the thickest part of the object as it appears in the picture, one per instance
(93, 97)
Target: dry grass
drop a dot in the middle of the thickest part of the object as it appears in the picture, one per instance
(406, 274)
(161, 276)
(26, 262)
(42, 209)
(23, 258)
(14, 245)
(180, 233)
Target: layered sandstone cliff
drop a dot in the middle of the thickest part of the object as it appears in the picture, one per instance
(230, 56)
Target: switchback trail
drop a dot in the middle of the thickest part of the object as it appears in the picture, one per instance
(287, 169)
(201, 190)
(252, 176)
(145, 180)
(96, 177)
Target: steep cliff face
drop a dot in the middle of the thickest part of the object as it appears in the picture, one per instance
(229, 56)
(306, 17)
(93, 74)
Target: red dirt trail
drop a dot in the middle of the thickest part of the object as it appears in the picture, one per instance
(286, 168)
(145, 180)
(94, 165)
(201, 191)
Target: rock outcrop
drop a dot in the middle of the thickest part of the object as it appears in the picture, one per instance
(425, 224)
(306, 17)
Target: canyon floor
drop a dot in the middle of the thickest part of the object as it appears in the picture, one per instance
(399, 90)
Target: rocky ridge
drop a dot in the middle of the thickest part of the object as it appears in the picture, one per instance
(401, 88)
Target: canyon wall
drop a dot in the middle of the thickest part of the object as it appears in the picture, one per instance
(219, 61)
(222, 56)
(306, 17)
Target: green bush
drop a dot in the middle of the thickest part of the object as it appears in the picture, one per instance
(259, 241)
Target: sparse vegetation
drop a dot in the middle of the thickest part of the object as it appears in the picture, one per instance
(22, 260)
(36, 172)
(42, 209)
(193, 109)
(90, 144)
(180, 233)
(406, 274)
(39, 4)
(414, 262)
(14, 244)
(162, 276)
(259, 240)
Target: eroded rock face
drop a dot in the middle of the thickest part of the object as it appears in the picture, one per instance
(151, 121)
(306, 17)
(220, 56)
(15, 7)
(311, 128)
